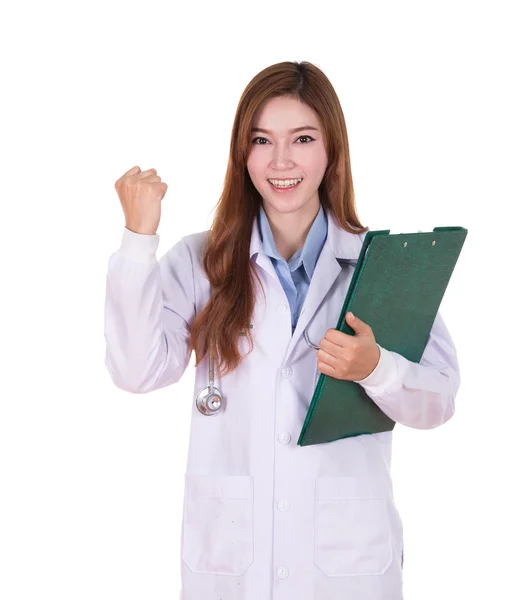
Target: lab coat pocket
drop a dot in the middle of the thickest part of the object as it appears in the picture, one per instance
(352, 527)
(218, 529)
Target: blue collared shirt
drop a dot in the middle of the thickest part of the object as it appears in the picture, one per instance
(295, 275)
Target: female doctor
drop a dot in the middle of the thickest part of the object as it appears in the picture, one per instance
(264, 518)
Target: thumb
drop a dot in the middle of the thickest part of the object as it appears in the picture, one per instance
(358, 325)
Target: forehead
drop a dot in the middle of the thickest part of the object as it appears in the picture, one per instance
(281, 114)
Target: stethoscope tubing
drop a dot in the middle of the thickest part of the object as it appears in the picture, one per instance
(209, 400)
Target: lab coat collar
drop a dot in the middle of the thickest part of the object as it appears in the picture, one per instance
(343, 244)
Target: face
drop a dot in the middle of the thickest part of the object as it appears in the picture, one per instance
(280, 153)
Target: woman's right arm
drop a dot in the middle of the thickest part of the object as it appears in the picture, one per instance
(149, 307)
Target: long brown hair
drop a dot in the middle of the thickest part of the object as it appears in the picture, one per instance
(226, 260)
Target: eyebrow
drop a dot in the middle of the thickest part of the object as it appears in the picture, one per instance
(304, 127)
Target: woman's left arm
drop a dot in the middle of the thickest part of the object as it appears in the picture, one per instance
(419, 395)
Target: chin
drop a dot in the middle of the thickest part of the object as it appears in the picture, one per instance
(286, 207)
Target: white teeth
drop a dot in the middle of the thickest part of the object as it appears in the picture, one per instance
(285, 183)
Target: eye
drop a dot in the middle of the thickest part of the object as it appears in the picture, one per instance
(306, 136)
(254, 141)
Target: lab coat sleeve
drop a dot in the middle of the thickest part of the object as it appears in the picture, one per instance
(149, 307)
(419, 395)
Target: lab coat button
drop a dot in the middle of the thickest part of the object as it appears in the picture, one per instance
(284, 437)
(281, 309)
(282, 572)
(286, 372)
(284, 505)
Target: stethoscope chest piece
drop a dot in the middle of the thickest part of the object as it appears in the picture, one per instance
(209, 401)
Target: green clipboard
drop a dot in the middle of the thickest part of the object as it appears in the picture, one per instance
(397, 287)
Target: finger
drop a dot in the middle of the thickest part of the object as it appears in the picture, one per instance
(329, 359)
(330, 347)
(327, 369)
(132, 171)
(358, 326)
(338, 337)
(146, 173)
(151, 178)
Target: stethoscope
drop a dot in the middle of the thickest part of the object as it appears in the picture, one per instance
(209, 400)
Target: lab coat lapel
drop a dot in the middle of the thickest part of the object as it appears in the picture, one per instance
(339, 244)
(262, 259)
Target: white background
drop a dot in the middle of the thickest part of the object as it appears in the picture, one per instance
(92, 477)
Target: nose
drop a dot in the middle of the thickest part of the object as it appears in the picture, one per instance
(282, 157)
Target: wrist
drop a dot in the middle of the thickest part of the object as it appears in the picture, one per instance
(140, 230)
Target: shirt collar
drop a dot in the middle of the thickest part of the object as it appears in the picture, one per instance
(309, 254)
(344, 245)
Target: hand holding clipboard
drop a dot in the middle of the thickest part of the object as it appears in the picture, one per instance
(397, 287)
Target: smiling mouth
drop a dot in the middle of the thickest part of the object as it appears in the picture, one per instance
(285, 187)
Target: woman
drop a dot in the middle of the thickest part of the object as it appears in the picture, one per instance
(263, 517)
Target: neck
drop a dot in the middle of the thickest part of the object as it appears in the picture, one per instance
(290, 230)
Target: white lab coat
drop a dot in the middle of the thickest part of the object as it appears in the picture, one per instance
(264, 518)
